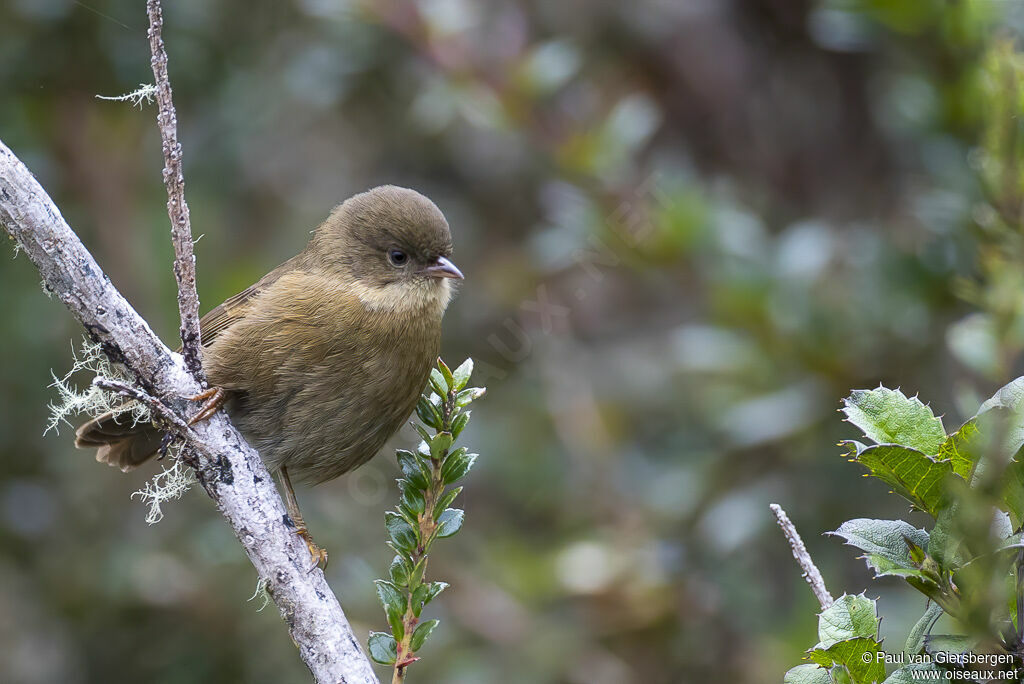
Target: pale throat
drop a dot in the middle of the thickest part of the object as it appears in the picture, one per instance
(416, 295)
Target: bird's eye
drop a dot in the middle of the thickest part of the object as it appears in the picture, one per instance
(397, 257)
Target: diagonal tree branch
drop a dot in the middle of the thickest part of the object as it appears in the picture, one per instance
(229, 469)
(177, 208)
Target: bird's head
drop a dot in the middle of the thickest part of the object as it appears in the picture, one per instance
(393, 246)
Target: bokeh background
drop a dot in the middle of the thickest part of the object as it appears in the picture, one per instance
(689, 228)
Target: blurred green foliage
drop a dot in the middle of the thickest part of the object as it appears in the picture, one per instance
(687, 229)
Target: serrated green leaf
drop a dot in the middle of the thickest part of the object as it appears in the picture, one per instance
(445, 501)
(848, 617)
(402, 534)
(456, 466)
(399, 571)
(461, 374)
(921, 629)
(459, 423)
(850, 653)
(807, 674)
(449, 522)
(439, 444)
(888, 416)
(883, 538)
(382, 647)
(911, 474)
(419, 637)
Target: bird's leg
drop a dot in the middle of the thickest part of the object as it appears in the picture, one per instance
(213, 399)
(292, 504)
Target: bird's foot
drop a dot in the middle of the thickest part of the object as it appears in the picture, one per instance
(319, 555)
(212, 398)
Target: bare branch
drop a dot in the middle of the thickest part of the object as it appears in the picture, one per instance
(177, 208)
(803, 558)
(229, 469)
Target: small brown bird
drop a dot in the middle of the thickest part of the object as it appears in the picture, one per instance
(321, 361)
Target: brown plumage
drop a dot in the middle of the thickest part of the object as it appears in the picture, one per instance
(325, 356)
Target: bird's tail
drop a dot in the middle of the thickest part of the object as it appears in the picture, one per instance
(119, 440)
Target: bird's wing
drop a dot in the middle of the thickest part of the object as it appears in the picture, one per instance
(232, 309)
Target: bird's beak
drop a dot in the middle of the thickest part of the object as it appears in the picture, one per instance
(442, 268)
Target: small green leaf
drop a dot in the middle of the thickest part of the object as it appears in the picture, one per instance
(461, 374)
(468, 396)
(438, 382)
(445, 501)
(427, 413)
(459, 423)
(449, 522)
(433, 589)
(399, 571)
(383, 648)
(421, 634)
(439, 444)
(391, 597)
(412, 468)
(446, 372)
(888, 416)
(456, 466)
(421, 430)
(418, 597)
(807, 674)
(416, 576)
(413, 499)
(402, 534)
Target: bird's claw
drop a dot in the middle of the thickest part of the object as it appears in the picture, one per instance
(213, 399)
(319, 554)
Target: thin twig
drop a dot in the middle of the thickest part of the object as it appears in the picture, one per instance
(177, 208)
(159, 407)
(803, 558)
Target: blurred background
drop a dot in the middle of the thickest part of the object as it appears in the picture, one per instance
(688, 229)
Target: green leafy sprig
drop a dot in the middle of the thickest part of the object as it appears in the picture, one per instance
(423, 514)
